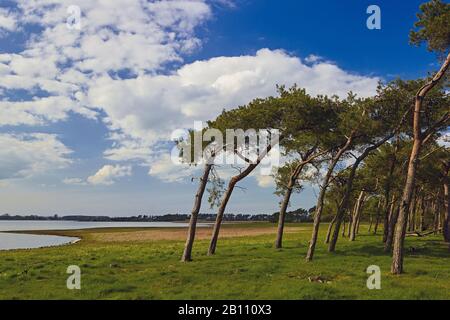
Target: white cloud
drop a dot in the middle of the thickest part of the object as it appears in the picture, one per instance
(265, 181)
(312, 58)
(139, 37)
(199, 91)
(78, 70)
(8, 20)
(164, 169)
(26, 155)
(74, 181)
(108, 174)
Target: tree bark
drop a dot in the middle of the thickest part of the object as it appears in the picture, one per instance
(446, 226)
(330, 227)
(343, 226)
(219, 217)
(436, 215)
(422, 214)
(400, 230)
(282, 216)
(387, 194)
(377, 222)
(393, 217)
(350, 221)
(357, 216)
(187, 254)
(412, 220)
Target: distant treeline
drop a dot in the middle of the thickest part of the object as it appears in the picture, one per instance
(299, 215)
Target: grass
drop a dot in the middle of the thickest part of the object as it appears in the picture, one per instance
(243, 268)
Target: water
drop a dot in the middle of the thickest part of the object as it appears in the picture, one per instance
(10, 241)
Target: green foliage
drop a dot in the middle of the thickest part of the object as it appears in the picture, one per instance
(215, 189)
(433, 27)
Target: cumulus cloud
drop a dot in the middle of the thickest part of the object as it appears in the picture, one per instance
(8, 20)
(26, 155)
(265, 181)
(108, 174)
(199, 91)
(117, 63)
(138, 38)
(166, 170)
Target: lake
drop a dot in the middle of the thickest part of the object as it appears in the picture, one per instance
(10, 241)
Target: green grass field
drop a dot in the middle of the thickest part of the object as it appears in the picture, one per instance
(243, 268)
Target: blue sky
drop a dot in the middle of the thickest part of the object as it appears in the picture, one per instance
(86, 114)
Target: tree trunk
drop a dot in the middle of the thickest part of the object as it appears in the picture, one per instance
(400, 230)
(393, 217)
(330, 227)
(226, 197)
(387, 193)
(435, 215)
(350, 221)
(412, 220)
(187, 254)
(287, 196)
(446, 226)
(343, 227)
(282, 216)
(323, 189)
(422, 214)
(219, 217)
(357, 216)
(377, 222)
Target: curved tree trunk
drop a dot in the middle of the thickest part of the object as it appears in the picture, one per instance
(330, 227)
(348, 190)
(446, 226)
(400, 231)
(350, 221)
(219, 217)
(226, 197)
(357, 216)
(320, 200)
(393, 217)
(187, 254)
(317, 215)
(400, 228)
(307, 158)
(284, 205)
(377, 222)
(282, 216)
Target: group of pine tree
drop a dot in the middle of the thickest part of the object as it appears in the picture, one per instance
(380, 157)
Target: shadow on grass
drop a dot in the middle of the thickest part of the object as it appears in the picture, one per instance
(430, 248)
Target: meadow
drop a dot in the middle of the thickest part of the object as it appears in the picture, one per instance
(117, 264)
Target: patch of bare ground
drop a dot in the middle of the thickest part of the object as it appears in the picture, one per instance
(180, 234)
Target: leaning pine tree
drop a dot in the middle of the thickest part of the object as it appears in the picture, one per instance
(434, 29)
